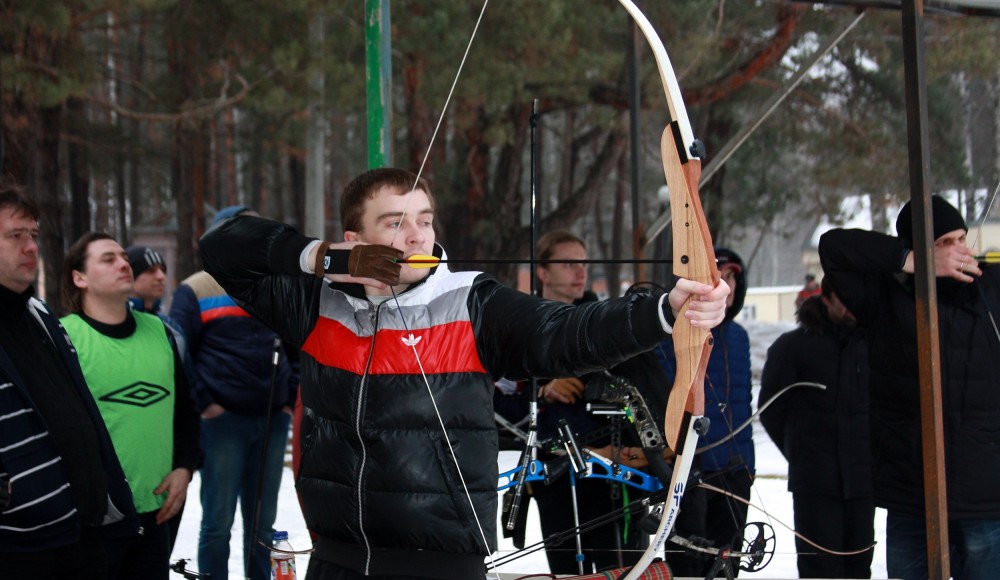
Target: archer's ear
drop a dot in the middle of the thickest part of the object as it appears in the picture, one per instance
(352, 237)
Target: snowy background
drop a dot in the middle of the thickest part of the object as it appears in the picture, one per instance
(769, 493)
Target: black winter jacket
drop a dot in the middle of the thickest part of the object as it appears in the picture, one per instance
(865, 269)
(377, 480)
(824, 435)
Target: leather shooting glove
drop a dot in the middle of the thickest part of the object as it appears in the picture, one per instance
(363, 261)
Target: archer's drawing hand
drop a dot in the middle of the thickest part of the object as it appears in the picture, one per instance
(353, 262)
(562, 391)
(956, 261)
(708, 304)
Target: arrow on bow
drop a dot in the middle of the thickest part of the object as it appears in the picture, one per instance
(418, 261)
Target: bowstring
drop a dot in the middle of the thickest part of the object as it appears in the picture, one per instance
(444, 430)
(726, 409)
(975, 243)
(732, 433)
(710, 487)
(440, 121)
(395, 298)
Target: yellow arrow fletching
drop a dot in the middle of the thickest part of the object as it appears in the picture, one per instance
(421, 261)
(990, 258)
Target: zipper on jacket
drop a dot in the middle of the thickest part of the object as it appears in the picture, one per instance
(357, 429)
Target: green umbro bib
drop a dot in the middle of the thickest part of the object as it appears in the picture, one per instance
(132, 380)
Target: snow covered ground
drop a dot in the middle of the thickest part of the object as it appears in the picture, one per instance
(769, 494)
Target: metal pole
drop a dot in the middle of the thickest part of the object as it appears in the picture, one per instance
(530, 445)
(635, 104)
(378, 46)
(932, 438)
(315, 213)
(252, 544)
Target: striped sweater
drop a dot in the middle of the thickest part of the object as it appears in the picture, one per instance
(41, 513)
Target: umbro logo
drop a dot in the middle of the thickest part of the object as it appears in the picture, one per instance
(141, 394)
(411, 340)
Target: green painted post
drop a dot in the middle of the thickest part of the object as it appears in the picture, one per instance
(378, 44)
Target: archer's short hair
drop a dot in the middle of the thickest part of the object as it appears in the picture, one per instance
(365, 186)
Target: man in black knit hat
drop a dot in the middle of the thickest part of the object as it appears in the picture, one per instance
(150, 272)
(873, 275)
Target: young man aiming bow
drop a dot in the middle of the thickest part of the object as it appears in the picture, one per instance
(398, 475)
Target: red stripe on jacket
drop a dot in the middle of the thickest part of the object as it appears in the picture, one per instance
(446, 348)
(222, 312)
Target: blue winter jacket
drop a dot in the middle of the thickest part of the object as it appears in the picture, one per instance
(230, 351)
(728, 383)
(728, 396)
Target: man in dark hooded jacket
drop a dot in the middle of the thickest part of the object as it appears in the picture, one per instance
(873, 275)
(824, 434)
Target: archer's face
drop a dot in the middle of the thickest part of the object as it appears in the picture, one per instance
(952, 238)
(402, 220)
(564, 282)
(106, 271)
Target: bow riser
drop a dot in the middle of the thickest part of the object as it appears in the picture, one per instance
(691, 236)
(694, 260)
(687, 397)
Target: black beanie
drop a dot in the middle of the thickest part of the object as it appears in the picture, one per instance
(944, 217)
(143, 258)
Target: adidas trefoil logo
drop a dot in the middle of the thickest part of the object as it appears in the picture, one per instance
(411, 340)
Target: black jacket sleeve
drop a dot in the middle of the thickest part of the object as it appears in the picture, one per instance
(859, 263)
(257, 261)
(523, 336)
